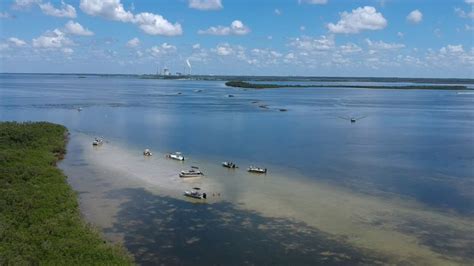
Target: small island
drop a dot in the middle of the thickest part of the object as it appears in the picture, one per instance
(40, 221)
(248, 85)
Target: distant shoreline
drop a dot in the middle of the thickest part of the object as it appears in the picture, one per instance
(250, 78)
(248, 85)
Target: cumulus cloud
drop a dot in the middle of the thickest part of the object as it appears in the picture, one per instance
(450, 55)
(452, 49)
(16, 42)
(311, 44)
(313, 2)
(380, 45)
(205, 4)
(224, 49)
(362, 18)
(77, 29)
(350, 48)
(156, 25)
(52, 39)
(463, 14)
(415, 16)
(149, 23)
(470, 2)
(235, 28)
(5, 15)
(132, 43)
(66, 11)
(24, 4)
(163, 49)
(109, 9)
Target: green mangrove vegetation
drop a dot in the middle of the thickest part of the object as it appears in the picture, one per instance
(40, 221)
(248, 85)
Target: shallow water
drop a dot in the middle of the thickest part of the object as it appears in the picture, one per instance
(402, 177)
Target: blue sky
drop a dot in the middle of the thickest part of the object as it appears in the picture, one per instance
(406, 38)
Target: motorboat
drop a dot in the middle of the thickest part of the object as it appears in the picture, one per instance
(229, 165)
(195, 193)
(190, 173)
(97, 142)
(176, 156)
(147, 152)
(259, 170)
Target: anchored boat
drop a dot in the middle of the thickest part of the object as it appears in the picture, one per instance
(176, 156)
(190, 173)
(259, 170)
(229, 165)
(97, 142)
(147, 152)
(195, 193)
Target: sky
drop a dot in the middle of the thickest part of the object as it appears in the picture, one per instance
(391, 38)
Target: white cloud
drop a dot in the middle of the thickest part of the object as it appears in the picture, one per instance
(400, 34)
(196, 46)
(463, 14)
(236, 28)
(52, 39)
(452, 49)
(76, 29)
(149, 23)
(313, 2)
(109, 9)
(67, 51)
(224, 49)
(362, 18)
(277, 11)
(154, 24)
(5, 15)
(24, 4)
(66, 11)
(205, 4)
(470, 2)
(163, 49)
(16, 42)
(350, 48)
(380, 45)
(311, 44)
(415, 16)
(132, 43)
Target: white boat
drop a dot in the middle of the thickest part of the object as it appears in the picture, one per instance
(190, 173)
(259, 170)
(195, 194)
(147, 152)
(176, 156)
(229, 165)
(97, 142)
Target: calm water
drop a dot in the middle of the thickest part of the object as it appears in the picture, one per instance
(414, 144)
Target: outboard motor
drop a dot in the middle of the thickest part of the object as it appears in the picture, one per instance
(204, 195)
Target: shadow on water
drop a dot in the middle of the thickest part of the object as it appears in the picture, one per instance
(164, 230)
(445, 240)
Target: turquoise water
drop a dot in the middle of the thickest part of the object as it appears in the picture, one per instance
(413, 144)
